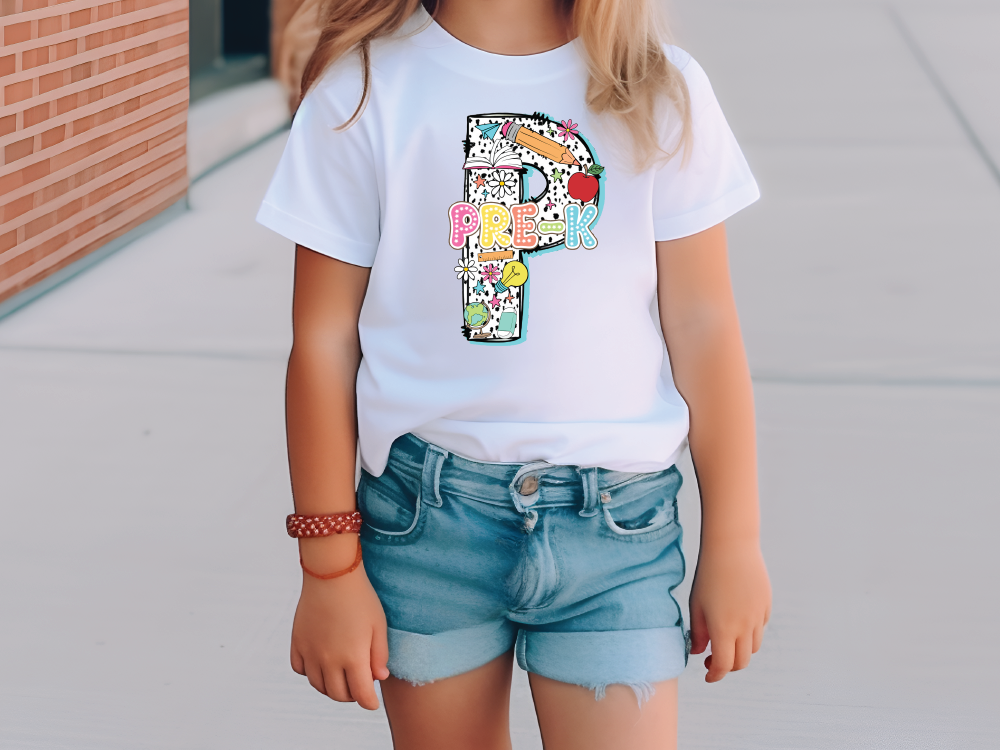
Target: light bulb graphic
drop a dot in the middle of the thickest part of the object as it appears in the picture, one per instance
(515, 273)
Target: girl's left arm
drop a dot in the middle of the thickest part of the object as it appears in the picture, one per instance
(731, 594)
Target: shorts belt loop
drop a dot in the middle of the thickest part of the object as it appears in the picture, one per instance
(590, 492)
(430, 482)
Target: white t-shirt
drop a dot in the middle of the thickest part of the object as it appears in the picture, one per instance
(509, 315)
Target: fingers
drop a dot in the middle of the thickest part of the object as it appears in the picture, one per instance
(357, 685)
(731, 654)
(744, 648)
(699, 630)
(380, 654)
(298, 663)
(720, 663)
(314, 673)
(362, 686)
(336, 685)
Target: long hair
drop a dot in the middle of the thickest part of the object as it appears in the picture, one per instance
(622, 41)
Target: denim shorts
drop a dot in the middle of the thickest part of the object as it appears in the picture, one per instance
(573, 567)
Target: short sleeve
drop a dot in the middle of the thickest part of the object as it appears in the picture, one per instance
(714, 182)
(324, 194)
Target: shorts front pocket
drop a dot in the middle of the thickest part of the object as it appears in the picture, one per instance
(644, 510)
(391, 509)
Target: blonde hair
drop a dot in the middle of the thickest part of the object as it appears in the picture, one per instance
(622, 41)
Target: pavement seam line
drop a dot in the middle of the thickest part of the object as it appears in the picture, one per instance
(920, 56)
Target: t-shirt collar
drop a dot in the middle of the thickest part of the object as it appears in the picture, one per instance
(479, 63)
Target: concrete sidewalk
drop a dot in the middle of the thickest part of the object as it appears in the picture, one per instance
(141, 412)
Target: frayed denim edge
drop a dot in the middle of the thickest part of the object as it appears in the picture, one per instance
(644, 691)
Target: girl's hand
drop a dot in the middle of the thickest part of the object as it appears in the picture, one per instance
(730, 605)
(339, 638)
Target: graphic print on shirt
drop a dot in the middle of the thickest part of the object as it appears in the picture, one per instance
(500, 223)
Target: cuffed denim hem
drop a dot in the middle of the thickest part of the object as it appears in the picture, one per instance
(636, 658)
(419, 659)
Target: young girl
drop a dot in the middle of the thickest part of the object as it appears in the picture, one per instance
(495, 203)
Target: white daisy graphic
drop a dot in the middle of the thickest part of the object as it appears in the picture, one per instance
(465, 269)
(501, 183)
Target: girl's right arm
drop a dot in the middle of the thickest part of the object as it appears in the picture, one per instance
(339, 632)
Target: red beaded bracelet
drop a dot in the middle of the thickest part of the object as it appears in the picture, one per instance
(304, 527)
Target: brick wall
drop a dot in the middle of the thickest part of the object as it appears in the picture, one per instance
(92, 126)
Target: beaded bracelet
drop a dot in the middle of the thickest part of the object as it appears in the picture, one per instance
(304, 527)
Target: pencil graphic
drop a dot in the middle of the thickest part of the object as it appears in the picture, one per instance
(537, 142)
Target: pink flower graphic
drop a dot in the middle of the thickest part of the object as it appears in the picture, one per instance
(568, 129)
(491, 272)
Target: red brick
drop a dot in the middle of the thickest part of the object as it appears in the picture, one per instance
(53, 191)
(8, 65)
(32, 58)
(8, 125)
(17, 32)
(107, 63)
(42, 224)
(80, 72)
(34, 4)
(80, 18)
(93, 172)
(24, 176)
(67, 103)
(100, 143)
(49, 26)
(106, 11)
(18, 150)
(164, 137)
(137, 53)
(93, 41)
(162, 92)
(171, 41)
(16, 208)
(7, 241)
(53, 136)
(36, 115)
(51, 82)
(84, 124)
(73, 207)
(134, 79)
(17, 92)
(66, 49)
(8, 7)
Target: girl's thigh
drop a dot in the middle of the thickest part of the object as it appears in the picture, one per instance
(470, 710)
(571, 719)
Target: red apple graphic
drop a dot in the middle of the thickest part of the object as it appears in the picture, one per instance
(582, 186)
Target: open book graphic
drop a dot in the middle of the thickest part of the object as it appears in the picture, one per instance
(502, 156)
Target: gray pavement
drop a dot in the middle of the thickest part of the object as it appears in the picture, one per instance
(140, 414)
